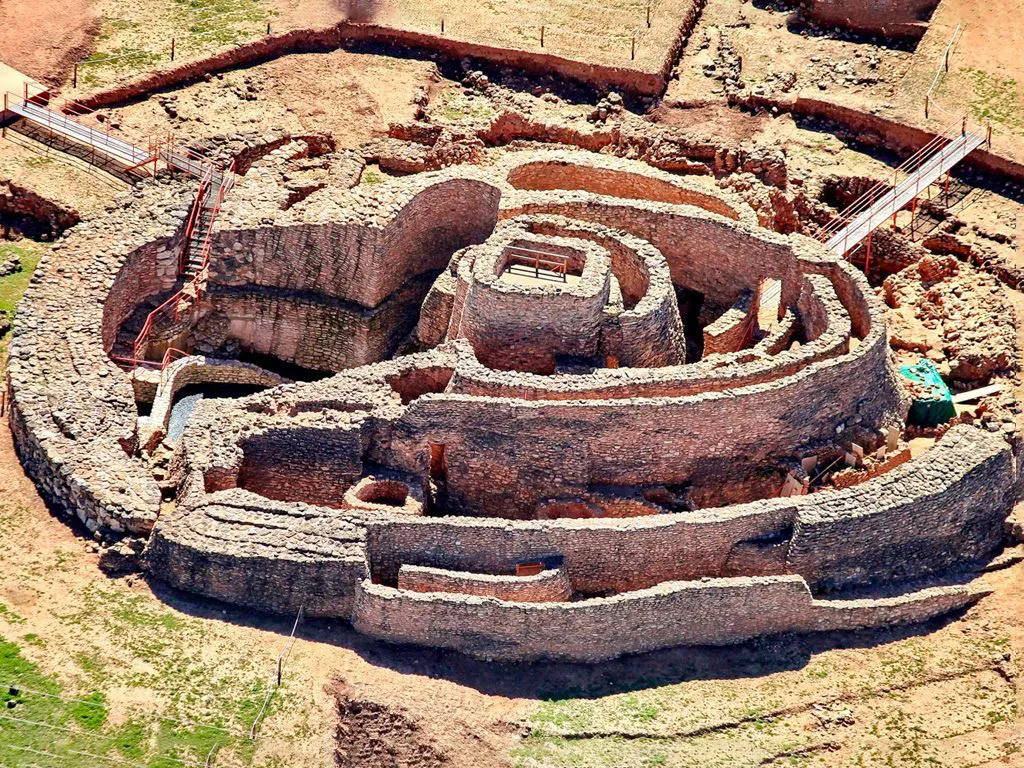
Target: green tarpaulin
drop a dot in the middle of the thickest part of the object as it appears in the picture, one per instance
(932, 400)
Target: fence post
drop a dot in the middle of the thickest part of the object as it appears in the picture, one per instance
(632, 52)
(541, 35)
(172, 49)
(648, 15)
(74, 75)
(926, 105)
(442, 25)
(268, 28)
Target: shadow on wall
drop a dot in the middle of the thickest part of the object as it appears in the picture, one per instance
(547, 680)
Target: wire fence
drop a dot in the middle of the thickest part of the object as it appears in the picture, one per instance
(97, 739)
(282, 657)
(225, 28)
(632, 37)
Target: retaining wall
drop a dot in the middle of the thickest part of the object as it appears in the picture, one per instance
(895, 18)
(713, 612)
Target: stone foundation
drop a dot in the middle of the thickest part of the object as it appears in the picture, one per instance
(556, 426)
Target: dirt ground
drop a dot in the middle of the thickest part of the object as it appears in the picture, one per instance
(946, 694)
(986, 73)
(42, 38)
(132, 37)
(352, 97)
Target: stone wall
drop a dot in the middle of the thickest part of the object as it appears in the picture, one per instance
(548, 586)
(895, 18)
(72, 411)
(197, 370)
(501, 471)
(314, 464)
(924, 517)
(565, 318)
(712, 612)
(268, 556)
(559, 170)
(946, 507)
(268, 509)
(731, 330)
(307, 330)
(363, 261)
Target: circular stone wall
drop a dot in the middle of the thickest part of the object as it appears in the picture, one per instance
(544, 461)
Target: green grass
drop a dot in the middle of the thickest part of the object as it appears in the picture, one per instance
(77, 727)
(10, 616)
(997, 100)
(222, 22)
(457, 108)
(141, 40)
(13, 286)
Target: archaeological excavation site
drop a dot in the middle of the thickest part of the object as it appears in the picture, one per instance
(528, 369)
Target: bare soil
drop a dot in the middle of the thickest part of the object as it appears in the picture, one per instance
(42, 38)
(946, 694)
(351, 97)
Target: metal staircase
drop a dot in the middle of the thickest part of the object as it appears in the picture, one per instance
(101, 148)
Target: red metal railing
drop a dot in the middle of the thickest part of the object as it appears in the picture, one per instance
(191, 293)
(193, 216)
(53, 113)
(172, 354)
(882, 188)
(558, 263)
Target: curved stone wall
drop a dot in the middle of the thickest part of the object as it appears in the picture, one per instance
(319, 494)
(548, 586)
(193, 370)
(712, 612)
(614, 177)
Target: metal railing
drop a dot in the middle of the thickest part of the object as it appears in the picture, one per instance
(941, 152)
(194, 215)
(191, 293)
(557, 263)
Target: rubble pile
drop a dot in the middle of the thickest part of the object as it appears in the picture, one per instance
(956, 316)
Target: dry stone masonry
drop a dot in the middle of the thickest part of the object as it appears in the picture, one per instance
(562, 405)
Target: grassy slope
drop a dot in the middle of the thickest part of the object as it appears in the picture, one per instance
(39, 717)
(136, 36)
(901, 703)
(13, 286)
